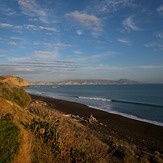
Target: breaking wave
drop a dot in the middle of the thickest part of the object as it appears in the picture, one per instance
(95, 98)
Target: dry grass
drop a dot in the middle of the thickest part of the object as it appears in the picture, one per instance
(48, 136)
(74, 142)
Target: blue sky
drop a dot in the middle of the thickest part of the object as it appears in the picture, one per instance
(53, 40)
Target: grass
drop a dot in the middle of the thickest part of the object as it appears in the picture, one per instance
(15, 94)
(9, 144)
(67, 140)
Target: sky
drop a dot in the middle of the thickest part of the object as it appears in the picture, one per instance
(55, 40)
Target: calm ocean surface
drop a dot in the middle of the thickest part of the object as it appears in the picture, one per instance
(141, 102)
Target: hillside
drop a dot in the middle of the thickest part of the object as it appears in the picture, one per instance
(39, 134)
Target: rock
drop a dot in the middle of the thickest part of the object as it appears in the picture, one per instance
(92, 119)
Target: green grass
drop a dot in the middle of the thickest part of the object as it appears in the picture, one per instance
(16, 94)
(8, 141)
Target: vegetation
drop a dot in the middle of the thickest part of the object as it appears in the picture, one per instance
(15, 94)
(9, 136)
(49, 136)
(62, 137)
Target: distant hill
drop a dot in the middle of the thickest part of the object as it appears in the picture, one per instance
(88, 82)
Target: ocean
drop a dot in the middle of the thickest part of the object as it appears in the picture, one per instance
(142, 102)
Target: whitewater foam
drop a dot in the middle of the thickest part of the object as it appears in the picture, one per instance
(95, 98)
(127, 115)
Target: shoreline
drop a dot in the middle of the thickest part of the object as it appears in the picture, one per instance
(139, 132)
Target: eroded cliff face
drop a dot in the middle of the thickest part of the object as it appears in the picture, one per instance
(14, 80)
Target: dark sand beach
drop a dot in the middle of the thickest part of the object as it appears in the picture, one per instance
(148, 137)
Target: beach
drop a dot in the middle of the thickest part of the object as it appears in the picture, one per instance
(146, 136)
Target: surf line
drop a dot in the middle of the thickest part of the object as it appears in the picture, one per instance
(136, 103)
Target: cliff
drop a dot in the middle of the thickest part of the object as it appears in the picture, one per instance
(17, 81)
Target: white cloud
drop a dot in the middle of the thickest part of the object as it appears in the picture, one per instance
(44, 54)
(160, 10)
(124, 41)
(90, 22)
(48, 29)
(59, 45)
(79, 32)
(77, 52)
(151, 67)
(158, 45)
(159, 34)
(109, 6)
(28, 27)
(12, 43)
(129, 24)
(5, 25)
(7, 11)
(32, 9)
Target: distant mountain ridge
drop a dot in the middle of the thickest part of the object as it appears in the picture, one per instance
(88, 82)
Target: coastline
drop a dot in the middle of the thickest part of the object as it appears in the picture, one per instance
(145, 135)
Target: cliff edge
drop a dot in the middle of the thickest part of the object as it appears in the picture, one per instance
(17, 81)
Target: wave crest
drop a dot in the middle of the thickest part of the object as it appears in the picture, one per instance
(95, 98)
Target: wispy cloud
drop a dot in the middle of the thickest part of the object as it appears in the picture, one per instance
(158, 45)
(90, 22)
(160, 10)
(79, 32)
(109, 6)
(34, 27)
(151, 67)
(130, 24)
(6, 25)
(13, 43)
(59, 45)
(33, 9)
(7, 11)
(27, 27)
(124, 41)
(159, 34)
(43, 53)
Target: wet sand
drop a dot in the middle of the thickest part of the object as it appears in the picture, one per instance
(146, 136)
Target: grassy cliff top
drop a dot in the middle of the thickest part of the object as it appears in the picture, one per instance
(13, 80)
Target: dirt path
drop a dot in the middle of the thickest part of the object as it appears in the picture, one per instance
(24, 154)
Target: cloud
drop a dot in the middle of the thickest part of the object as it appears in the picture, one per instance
(124, 41)
(160, 10)
(32, 9)
(5, 25)
(109, 6)
(34, 27)
(79, 32)
(60, 45)
(159, 34)
(7, 11)
(77, 52)
(44, 54)
(151, 67)
(90, 22)
(129, 24)
(158, 45)
(28, 27)
(12, 43)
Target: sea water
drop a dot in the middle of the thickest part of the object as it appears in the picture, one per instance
(143, 102)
